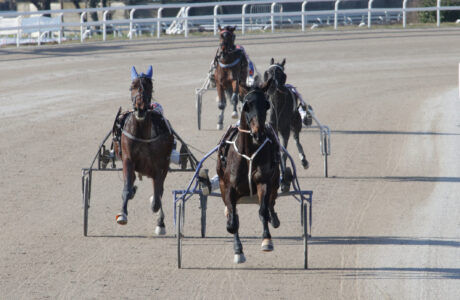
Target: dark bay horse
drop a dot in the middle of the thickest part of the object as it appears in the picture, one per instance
(247, 165)
(145, 140)
(284, 115)
(230, 72)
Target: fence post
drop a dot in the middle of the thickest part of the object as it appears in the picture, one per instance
(18, 35)
(272, 11)
(215, 18)
(404, 13)
(186, 21)
(131, 17)
(61, 28)
(438, 13)
(369, 14)
(336, 10)
(243, 18)
(159, 22)
(82, 21)
(39, 42)
(304, 4)
(104, 26)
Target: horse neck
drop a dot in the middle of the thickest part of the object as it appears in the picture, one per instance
(140, 129)
(228, 56)
(244, 141)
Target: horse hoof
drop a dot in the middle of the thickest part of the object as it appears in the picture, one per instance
(160, 230)
(267, 245)
(239, 258)
(234, 115)
(122, 219)
(220, 126)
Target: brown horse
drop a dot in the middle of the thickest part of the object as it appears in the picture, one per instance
(249, 166)
(230, 72)
(145, 139)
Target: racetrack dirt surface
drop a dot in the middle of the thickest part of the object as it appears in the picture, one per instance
(386, 224)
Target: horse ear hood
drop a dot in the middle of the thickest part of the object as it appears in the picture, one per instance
(272, 61)
(284, 61)
(134, 74)
(149, 73)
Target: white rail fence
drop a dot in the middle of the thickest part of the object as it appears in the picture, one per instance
(16, 25)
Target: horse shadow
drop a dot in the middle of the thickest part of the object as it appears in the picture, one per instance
(363, 272)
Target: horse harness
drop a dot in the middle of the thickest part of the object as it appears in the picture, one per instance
(229, 139)
(122, 118)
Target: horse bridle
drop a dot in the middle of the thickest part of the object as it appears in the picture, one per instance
(224, 43)
(140, 93)
(272, 71)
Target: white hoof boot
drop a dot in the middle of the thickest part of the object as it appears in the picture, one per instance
(267, 245)
(235, 115)
(239, 258)
(122, 219)
(220, 126)
(160, 230)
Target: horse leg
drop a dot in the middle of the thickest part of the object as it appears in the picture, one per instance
(234, 99)
(271, 209)
(221, 106)
(129, 190)
(233, 226)
(264, 215)
(302, 157)
(286, 182)
(155, 202)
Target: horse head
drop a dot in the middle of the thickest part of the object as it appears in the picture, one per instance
(227, 38)
(276, 73)
(141, 92)
(254, 111)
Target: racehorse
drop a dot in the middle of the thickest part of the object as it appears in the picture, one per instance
(250, 165)
(145, 140)
(230, 72)
(284, 115)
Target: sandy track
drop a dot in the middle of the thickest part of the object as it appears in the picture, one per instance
(386, 224)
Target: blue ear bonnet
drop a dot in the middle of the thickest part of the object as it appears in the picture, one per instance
(134, 74)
